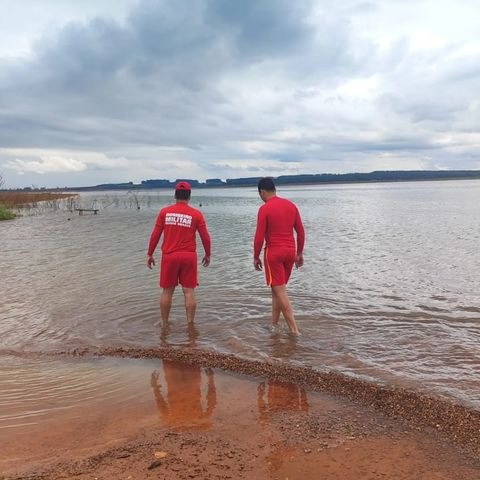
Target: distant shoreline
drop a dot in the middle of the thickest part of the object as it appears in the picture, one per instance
(283, 180)
(303, 184)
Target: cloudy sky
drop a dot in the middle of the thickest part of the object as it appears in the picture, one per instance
(95, 91)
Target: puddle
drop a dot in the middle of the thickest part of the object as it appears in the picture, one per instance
(50, 408)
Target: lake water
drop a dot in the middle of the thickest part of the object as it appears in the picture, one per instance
(389, 290)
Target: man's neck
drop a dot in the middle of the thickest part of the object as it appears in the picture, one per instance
(269, 195)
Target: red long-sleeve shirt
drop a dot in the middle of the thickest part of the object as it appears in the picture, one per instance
(276, 220)
(179, 223)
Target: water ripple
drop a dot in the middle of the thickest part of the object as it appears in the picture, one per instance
(389, 289)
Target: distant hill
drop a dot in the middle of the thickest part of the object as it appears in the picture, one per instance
(304, 179)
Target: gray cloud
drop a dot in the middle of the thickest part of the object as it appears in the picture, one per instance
(159, 69)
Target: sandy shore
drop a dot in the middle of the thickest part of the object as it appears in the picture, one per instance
(259, 421)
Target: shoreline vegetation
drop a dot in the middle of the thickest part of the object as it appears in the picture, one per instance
(380, 176)
(14, 199)
(6, 214)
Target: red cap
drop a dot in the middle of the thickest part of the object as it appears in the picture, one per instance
(183, 186)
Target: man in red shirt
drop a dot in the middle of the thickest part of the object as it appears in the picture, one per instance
(276, 220)
(179, 223)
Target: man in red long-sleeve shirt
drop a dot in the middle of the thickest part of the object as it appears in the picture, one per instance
(277, 219)
(179, 223)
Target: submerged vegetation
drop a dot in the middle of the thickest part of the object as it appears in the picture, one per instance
(21, 203)
(20, 199)
(11, 201)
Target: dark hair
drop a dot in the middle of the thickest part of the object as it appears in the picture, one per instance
(266, 183)
(183, 194)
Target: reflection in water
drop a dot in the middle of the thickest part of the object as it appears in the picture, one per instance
(274, 396)
(182, 406)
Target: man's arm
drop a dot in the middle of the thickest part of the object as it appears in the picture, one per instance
(154, 239)
(205, 238)
(298, 226)
(259, 238)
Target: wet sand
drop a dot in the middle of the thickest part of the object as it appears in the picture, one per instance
(265, 421)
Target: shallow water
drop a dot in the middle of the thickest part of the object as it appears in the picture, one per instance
(389, 290)
(36, 391)
(52, 406)
(114, 418)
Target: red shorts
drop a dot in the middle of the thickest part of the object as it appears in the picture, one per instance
(178, 268)
(278, 264)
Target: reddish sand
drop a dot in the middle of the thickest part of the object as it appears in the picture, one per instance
(206, 424)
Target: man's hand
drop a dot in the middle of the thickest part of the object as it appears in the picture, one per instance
(299, 260)
(206, 261)
(150, 261)
(257, 263)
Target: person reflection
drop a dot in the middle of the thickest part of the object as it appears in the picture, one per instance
(274, 396)
(182, 406)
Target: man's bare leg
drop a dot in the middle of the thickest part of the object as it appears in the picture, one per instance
(275, 310)
(166, 303)
(192, 333)
(190, 303)
(164, 332)
(280, 293)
